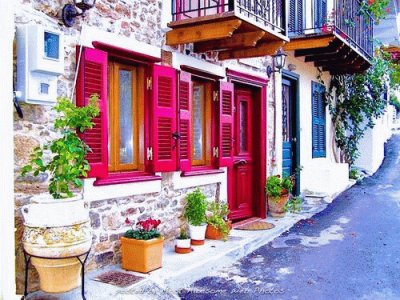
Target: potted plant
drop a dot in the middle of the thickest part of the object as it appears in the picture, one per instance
(195, 213)
(218, 225)
(142, 247)
(183, 242)
(293, 205)
(278, 190)
(57, 224)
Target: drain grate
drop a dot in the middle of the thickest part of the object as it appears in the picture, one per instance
(119, 279)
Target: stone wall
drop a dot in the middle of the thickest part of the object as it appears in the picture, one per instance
(140, 19)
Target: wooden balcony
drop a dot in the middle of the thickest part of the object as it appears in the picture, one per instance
(234, 28)
(339, 41)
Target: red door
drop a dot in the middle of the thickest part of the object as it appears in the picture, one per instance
(242, 172)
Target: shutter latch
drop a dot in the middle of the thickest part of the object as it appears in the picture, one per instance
(149, 83)
(215, 96)
(215, 152)
(149, 153)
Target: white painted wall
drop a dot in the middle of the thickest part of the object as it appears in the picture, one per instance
(318, 174)
(7, 257)
(373, 143)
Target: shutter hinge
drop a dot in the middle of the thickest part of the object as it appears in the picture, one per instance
(215, 96)
(149, 83)
(215, 152)
(149, 153)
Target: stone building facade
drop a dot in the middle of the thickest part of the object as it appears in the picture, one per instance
(136, 23)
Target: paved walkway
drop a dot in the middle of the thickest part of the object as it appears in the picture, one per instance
(351, 250)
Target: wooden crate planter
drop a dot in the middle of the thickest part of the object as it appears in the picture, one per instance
(142, 255)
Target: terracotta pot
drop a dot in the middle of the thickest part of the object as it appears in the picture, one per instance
(56, 229)
(276, 205)
(214, 233)
(198, 234)
(142, 255)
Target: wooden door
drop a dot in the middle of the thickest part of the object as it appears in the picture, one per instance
(242, 173)
(288, 128)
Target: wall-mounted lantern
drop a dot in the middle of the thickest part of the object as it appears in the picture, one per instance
(279, 60)
(69, 12)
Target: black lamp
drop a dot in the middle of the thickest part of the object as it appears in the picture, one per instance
(279, 60)
(69, 12)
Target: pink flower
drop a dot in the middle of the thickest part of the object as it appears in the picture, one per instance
(127, 221)
(148, 224)
(388, 10)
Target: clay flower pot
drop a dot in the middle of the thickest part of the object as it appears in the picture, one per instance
(276, 205)
(213, 233)
(142, 255)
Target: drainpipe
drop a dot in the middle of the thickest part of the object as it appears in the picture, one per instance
(278, 122)
(7, 245)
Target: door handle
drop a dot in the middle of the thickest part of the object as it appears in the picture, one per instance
(294, 140)
(240, 162)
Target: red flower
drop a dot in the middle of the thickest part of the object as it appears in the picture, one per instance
(388, 10)
(127, 221)
(370, 2)
(149, 224)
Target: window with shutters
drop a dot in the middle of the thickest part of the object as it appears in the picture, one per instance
(201, 123)
(318, 121)
(135, 134)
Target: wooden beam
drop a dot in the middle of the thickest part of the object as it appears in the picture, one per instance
(262, 49)
(205, 32)
(344, 61)
(331, 49)
(309, 43)
(239, 40)
(342, 52)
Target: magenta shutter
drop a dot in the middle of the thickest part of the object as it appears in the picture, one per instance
(185, 121)
(92, 79)
(164, 122)
(226, 124)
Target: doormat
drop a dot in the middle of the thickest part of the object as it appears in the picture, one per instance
(256, 225)
(119, 279)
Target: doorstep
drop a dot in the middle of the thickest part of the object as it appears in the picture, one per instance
(179, 271)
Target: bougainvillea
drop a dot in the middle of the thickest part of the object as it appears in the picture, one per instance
(378, 9)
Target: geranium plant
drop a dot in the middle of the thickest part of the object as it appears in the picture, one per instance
(276, 186)
(145, 230)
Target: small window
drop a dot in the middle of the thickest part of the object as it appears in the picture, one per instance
(125, 118)
(201, 123)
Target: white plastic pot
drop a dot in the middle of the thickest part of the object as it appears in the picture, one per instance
(183, 243)
(198, 233)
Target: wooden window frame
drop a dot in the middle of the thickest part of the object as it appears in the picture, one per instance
(137, 117)
(207, 125)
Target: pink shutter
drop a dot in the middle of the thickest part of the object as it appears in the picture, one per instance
(226, 124)
(164, 119)
(92, 79)
(185, 121)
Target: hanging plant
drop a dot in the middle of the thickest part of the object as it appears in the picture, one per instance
(355, 101)
(378, 9)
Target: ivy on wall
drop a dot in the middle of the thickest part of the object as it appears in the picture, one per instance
(354, 101)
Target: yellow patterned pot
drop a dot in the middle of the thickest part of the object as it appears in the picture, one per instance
(56, 229)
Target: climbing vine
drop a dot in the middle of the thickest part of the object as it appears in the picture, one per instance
(378, 9)
(354, 101)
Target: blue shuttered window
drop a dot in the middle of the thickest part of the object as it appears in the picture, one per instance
(318, 121)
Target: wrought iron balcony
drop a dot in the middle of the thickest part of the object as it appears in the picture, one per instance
(235, 28)
(340, 37)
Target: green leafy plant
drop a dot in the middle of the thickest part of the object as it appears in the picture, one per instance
(395, 102)
(378, 9)
(294, 205)
(195, 209)
(276, 186)
(67, 164)
(183, 234)
(355, 101)
(218, 217)
(145, 230)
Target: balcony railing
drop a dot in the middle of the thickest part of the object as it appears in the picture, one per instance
(345, 20)
(265, 14)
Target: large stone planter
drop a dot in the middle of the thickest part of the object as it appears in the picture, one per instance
(276, 205)
(56, 229)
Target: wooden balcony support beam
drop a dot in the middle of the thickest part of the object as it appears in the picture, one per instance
(309, 43)
(352, 58)
(262, 49)
(200, 33)
(331, 49)
(239, 40)
(340, 53)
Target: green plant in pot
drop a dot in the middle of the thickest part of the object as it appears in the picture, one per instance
(217, 219)
(57, 224)
(182, 245)
(278, 189)
(195, 213)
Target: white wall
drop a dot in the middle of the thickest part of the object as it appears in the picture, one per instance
(7, 257)
(318, 174)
